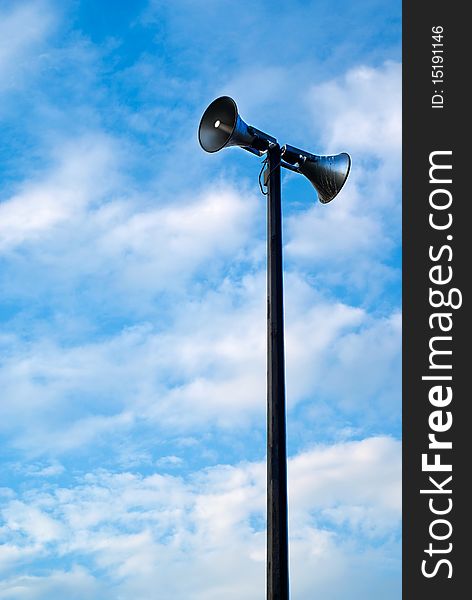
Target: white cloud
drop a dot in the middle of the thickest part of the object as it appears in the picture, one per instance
(370, 360)
(193, 538)
(75, 584)
(350, 243)
(361, 111)
(24, 27)
(81, 223)
(160, 247)
(337, 481)
(83, 172)
(53, 469)
(207, 369)
(39, 527)
(169, 461)
(354, 233)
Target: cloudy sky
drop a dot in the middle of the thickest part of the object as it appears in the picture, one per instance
(132, 275)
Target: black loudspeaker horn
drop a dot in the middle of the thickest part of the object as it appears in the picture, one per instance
(327, 174)
(221, 126)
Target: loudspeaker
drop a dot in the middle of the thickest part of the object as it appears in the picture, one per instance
(221, 127)
(327, 174)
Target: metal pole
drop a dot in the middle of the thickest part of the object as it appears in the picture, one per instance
(277, 513)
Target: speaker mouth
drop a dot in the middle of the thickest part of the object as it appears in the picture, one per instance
(217, 124)
(341, 178)
(326, 173)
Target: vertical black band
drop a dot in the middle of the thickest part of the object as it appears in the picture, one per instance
(436, 209)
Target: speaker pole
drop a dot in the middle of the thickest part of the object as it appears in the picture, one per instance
(327, 174)
(277, 510)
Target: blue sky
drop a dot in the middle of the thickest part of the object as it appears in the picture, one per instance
(132, 274)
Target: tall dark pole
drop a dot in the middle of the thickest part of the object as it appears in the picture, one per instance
(220, 127)
(277, 513)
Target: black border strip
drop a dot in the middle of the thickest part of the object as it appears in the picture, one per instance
(428, 129)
